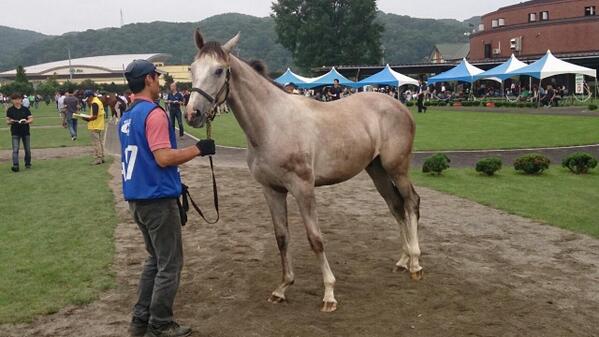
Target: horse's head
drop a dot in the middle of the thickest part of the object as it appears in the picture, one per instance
(210, 74)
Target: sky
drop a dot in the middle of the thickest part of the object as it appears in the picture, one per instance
(56, 17)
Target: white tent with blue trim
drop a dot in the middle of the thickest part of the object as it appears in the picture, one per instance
(388, 77)
(327, 79)
(502, 71)
(463, 72)
(291, 77)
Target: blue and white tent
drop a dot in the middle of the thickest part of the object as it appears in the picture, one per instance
(502, 71)
(550, 65)
(388, 77)
(291, 77)
(327, 79)
(463, 72)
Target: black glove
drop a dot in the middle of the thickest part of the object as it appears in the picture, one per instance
(206, 147)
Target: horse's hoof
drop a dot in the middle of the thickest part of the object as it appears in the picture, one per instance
(417, 276)
(276, 299)
(399, 269)
(328, 306)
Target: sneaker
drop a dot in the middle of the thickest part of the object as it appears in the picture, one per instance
(97, 162)
(15, 169)
(138, 327)
(171, 329)
(28, 166)
(73, 138)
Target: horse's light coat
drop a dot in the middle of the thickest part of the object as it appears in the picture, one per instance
(296, 143)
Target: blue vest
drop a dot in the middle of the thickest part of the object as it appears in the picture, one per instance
(143, 179)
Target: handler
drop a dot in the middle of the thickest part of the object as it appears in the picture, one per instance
(152, 186)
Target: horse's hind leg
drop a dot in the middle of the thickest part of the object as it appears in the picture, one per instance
(277, 203)
(403, 201)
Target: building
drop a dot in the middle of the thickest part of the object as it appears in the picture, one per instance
(529, 29)
(449, 52)
(100, 69)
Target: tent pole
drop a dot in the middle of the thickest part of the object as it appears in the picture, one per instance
(595, 88)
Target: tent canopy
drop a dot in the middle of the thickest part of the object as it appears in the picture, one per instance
(502, 71)
(389, 77)
(290, 77)
(463, 72)
(327, 79)
(550, 65)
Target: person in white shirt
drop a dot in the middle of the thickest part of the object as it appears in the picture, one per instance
(25, 102)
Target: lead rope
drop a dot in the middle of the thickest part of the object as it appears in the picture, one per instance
(187, 195)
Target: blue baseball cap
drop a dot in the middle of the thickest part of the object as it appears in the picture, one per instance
(140, 68)
(88, 93)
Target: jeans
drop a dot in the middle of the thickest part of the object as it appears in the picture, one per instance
(160, 223)
(15, 149)
(72, 123)
(176, 114)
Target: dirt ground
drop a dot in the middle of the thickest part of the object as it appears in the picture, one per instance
(487, 273)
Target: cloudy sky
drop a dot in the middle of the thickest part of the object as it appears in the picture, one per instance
(60, 16)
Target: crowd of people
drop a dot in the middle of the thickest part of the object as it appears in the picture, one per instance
(72, 106)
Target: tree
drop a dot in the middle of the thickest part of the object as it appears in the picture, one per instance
(20, 85)
(326, 32)
(48, 87)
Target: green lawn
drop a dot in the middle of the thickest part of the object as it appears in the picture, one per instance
(456, 130)
(556, 197)
(46, 138)
(56, 237)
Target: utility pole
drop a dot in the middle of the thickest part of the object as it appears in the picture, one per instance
(70, 66)
(122, 19)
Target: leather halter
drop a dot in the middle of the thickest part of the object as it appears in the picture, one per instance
(214, 99)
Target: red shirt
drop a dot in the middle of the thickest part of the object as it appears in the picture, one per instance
(157, 128)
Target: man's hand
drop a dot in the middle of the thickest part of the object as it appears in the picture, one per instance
(206, 147)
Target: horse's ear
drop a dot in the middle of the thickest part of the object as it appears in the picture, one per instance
(199, 39)
(227, 47)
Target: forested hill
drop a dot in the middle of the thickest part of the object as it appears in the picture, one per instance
(406, 40)
(12, 41)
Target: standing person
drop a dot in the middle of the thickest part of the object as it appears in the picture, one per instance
(19, 117)
(26, 102)
(71, 104)
(421, 93)
(335, 92)
(175, 100)
(61, 107)
(152, 186)
(95, 125)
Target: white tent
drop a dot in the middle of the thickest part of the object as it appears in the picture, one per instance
(550, 65)
(502, 71)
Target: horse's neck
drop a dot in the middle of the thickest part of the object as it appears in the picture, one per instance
(251, 98)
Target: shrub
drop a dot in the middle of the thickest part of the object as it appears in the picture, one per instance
(532, 163)
(436, 164)
(442, 103)
(499, 104)
(521, 105)
(489, 165)
(592, 107)
(409, 103)
(530, 105)
(579, 162)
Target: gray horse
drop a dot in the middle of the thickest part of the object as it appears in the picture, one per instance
(296, 144)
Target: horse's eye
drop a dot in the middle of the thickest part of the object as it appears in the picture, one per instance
(218, 72)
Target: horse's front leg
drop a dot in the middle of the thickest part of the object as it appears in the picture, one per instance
(304, 194)
(277, 202)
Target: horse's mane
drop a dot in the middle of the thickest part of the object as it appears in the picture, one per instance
(215, 49)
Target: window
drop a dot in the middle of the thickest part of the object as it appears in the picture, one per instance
(532, 17)
(544, 16)
(494, 24)
(488, 51)
(501, 22)
(589, 11)
(481, 27)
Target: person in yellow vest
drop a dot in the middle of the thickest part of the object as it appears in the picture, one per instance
(95, 125)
